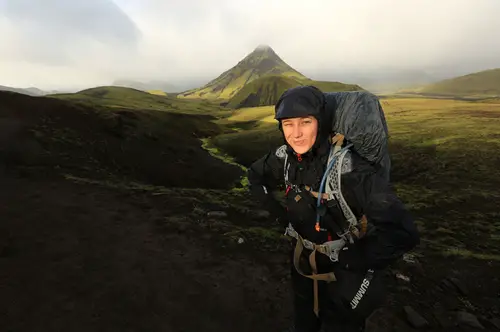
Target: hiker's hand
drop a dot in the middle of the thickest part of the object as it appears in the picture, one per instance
(351, 258)
(347, 299)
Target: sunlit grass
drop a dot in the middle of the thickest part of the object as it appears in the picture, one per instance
(445, 166)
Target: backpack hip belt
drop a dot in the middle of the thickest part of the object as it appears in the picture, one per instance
(330, 248)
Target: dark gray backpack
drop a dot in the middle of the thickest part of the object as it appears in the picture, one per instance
(358, 115)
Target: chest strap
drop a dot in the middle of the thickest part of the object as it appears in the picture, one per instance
(315, 194)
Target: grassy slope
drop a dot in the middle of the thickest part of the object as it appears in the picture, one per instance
(445, 166)
(262, 91)
(327, 86)
(111, 96)
(157, 92)
(255, 133)
(484, 83)
(267, 90)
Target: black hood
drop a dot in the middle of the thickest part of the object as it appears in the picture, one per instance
(305, 101)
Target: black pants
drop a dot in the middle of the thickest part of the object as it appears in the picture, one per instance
(335, 312)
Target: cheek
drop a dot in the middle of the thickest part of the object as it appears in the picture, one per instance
(312, 133)
(287, 132)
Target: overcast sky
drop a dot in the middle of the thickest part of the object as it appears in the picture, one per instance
(79, 43)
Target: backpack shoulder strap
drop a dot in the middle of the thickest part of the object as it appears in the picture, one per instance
(281, 153)
(333, 186)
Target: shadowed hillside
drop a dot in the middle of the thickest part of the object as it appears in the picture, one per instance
(161, 148)
(484, 83)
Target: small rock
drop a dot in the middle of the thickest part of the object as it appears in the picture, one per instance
(414, 264)
(240, 240)
(409, 258)
(217, 214)
(414, 318)
(445, 321)
(465, 318)
(444, 317)
(402, 277)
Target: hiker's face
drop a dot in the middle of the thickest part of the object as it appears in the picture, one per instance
(300, 133)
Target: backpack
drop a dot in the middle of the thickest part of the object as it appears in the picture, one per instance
(357, 117)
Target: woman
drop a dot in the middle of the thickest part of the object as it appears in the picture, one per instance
(335, 290)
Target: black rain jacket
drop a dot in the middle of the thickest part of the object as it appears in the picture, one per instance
(392, 231)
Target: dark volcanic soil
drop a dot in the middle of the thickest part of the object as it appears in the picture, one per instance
(115, 256)
(82, 258)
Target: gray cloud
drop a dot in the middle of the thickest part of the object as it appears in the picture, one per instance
(62, 35)
(83, 42)
(56, 21)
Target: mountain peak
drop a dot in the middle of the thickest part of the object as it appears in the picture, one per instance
(266, 51)
(263, 47)
(263, 61)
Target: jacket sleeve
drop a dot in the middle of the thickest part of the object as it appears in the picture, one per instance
(264, 176)
(391, 229)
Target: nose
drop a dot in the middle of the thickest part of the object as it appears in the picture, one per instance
(297, 131)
